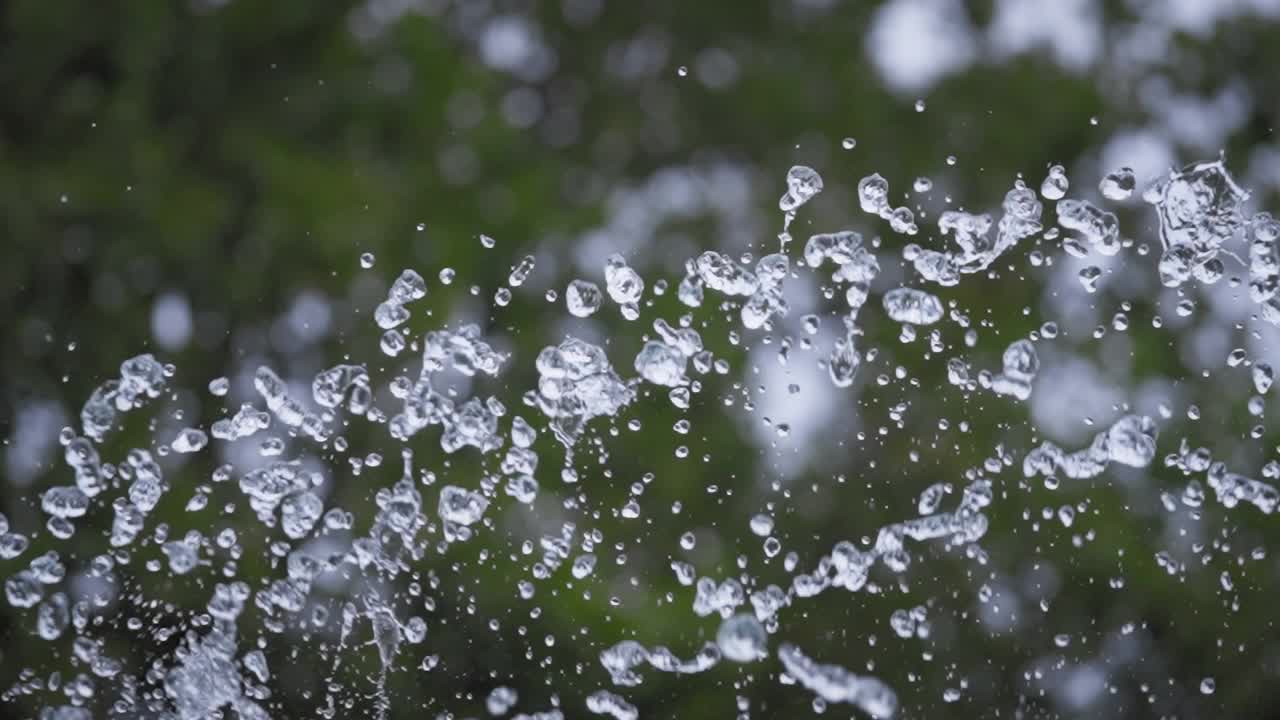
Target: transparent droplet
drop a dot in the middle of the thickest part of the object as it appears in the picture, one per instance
(1055, 183)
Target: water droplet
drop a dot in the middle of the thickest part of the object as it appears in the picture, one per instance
(1055, 183)
(1118, 185)
(742, 639)
(583, 298)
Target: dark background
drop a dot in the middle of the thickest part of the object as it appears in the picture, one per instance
(198, 180)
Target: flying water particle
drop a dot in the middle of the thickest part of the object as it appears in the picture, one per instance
(182, 556)
(761, 525)
(836, 684)
(406, 289)
(802, 184)
(367, 260)
(1118, 185)
(12, 545)
(461, 506)
(64, 501)
(768, 301)
(1055, 183)
(910, 623)
(722, 598)
(931, 498)
(720, 273)
(690, 291)
(902, 221)
(219, 386)
(522, 433)
(284, 408)
(469, 424)
(603, 702)
(23, 590)
(53, 616)
(1088, 277)
(299, 513)
(1199, 208)
(524, 488)
(661, 364)
(1231, 489)
(1097, 227)
(1263, 377)
(392, 343)
(843, 362)
(576, 383)
(190, 440)
(971, 232)
(622, 282)
(583, 298)
(1021, 363)
(247, 421)
(1131, 441)
(583, 566)
(1264, 265)
(742, 639)
(873, 195)
(911, 306)
(330, 387)
(521, 270)
(500, 700)
(142, 378)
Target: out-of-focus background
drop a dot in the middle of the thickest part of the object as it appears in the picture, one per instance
(198, 179)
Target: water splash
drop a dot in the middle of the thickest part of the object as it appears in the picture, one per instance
(212, 670)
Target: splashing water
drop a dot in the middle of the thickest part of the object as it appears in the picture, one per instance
(1055, 184)
(835, 684)
(1118, 185)
(913, 307)
(338, 564)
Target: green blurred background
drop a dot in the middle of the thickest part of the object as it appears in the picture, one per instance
(198, 179)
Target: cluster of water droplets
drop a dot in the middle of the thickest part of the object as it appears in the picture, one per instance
(976, 250)
(1199, 210)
